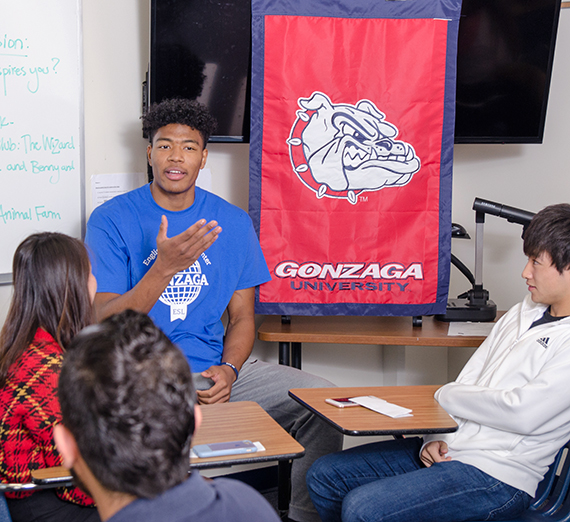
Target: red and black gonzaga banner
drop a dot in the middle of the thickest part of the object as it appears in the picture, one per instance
(353, 108)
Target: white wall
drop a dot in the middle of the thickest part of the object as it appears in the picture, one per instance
(524, 176)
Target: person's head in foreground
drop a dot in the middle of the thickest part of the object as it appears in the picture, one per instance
(547, 246)
(128, 408)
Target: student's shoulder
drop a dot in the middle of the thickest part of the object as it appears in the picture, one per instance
(207, 501)
(41, 359)
(213, 200)
(248, 505)
(223, 208)
(44, 348)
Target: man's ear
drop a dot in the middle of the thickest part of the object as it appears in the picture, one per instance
(66, 445)
(204, 158)
(149, 153)
(197, 418)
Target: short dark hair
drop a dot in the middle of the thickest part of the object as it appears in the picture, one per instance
(127, 397)
(179, 111)
(51, 273)
(549, 231)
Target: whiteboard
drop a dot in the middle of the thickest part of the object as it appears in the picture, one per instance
(41, 122)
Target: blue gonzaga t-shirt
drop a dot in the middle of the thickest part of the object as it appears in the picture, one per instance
(121, 235)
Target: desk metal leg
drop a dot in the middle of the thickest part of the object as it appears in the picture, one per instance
(284, 485)
(290, 354)
(284, 351)
(296, 355)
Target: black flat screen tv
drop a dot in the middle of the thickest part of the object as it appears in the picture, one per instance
(201, 49)
(505, 53)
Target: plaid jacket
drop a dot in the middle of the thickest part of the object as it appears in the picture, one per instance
(28, 411)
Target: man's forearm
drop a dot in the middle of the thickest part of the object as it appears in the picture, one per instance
(240, 332)
(238, 342)
(141, 298)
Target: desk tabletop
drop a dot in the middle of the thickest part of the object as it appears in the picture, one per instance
(397, 331)
(46, 476)
(238, 421)
(428, 415)
(223, 422)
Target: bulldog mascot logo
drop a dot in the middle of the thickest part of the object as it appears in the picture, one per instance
(342, 150)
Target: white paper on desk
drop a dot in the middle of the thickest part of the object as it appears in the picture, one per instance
(470, 329)
(258, 445)
(381, 406)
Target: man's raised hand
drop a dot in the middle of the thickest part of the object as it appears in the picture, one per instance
(179, 252)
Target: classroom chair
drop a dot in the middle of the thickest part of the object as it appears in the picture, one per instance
(552, 501)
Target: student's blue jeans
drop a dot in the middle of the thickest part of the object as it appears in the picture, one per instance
(386, 482)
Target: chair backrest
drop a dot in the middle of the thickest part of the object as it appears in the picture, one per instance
(552, 499)
(550, 478)
(4, 513)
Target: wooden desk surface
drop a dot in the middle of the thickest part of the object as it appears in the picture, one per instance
(363, 330)
(243, 420)
(57, 474)
(222, 423)
(428, 415)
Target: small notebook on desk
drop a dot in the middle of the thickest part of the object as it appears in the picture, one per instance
(381, 406)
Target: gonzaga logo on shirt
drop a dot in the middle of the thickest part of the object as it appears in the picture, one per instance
(182, 290)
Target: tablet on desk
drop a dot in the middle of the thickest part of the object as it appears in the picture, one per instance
(219, 449)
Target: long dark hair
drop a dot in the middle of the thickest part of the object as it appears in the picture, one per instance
(51, 274)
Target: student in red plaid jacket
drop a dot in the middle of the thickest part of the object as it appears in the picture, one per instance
(53, 293)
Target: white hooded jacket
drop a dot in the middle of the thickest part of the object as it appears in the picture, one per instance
(512, 399)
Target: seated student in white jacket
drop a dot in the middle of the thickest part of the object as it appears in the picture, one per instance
(511, 402)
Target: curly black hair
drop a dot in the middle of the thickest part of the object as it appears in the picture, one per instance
(179, 111)
(127, 396)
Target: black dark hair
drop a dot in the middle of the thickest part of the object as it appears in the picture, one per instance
(549, 231)
(179, 111)
(51, 274)
(127, 397)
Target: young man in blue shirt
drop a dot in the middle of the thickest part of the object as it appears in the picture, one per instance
(186, 257)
